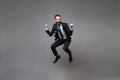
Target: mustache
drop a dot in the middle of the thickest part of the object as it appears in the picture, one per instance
(59, 22)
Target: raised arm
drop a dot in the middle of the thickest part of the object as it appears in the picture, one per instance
(50, 33)
(70, 29)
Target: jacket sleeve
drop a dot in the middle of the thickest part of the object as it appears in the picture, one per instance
(50, 33)
(70, 32)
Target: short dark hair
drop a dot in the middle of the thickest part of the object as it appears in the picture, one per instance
(57, 15)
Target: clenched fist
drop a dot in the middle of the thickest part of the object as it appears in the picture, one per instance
(71, 26)
(46, 26)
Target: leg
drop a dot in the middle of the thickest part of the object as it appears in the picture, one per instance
(54, 45)
(65, 48)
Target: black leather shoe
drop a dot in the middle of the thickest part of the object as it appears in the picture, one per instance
(70, 59)
(56, 59)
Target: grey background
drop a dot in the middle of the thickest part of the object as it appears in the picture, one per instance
(25, 52)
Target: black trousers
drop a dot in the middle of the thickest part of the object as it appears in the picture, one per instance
(65, 47)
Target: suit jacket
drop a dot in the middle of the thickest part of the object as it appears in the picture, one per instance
(66, 29)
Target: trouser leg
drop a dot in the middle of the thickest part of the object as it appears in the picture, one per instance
(66, 49)
(54, 45)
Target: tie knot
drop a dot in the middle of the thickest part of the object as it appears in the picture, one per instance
(58, 24)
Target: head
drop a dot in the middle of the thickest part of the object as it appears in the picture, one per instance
(57, 18)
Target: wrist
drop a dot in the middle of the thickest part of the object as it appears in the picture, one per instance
(71, 28)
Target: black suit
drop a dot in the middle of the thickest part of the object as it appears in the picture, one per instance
(59, 41)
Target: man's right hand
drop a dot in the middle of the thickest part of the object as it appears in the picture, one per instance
(46, 26)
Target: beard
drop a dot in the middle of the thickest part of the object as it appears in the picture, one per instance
(59, 22)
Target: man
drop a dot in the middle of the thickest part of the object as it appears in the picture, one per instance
(62, 36)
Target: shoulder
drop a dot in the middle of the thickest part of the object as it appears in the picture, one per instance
(54, 25)
(64, 23)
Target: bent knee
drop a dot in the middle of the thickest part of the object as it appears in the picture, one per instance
(65, 49)
(52, 47)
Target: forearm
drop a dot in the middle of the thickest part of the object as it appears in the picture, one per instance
(71, 32)
(48, 32)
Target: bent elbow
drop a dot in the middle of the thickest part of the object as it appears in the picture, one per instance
(49, 35)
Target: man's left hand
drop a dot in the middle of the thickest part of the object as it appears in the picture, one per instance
(71, 26)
